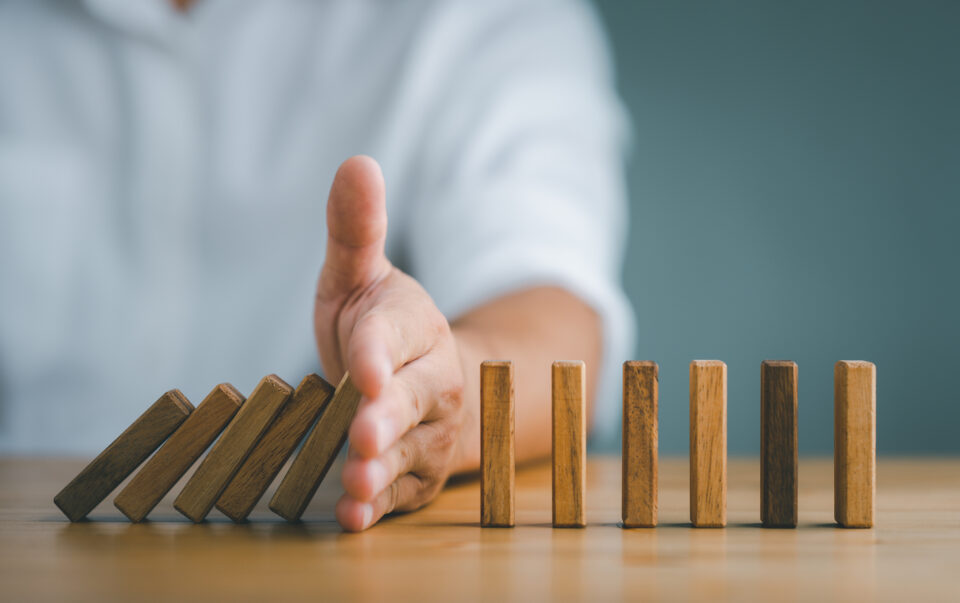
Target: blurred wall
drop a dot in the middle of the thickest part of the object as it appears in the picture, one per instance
(795, 185)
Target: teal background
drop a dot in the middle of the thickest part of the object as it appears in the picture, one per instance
(795, 186)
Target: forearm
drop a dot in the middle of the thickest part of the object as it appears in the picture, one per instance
(532, 328)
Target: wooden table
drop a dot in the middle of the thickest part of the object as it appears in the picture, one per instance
(440, 552)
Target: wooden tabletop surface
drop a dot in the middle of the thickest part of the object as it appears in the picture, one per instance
(441, 553)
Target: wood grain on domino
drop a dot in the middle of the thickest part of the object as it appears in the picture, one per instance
(708, 443)
(639, 455)
(779, 452)
(497, 456)
(222, 462)
(178, 453)
(569, 444)
(319, 450)
(855, 443)
(276, 446)
(104, 473)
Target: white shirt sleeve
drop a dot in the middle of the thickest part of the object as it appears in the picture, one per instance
(522, 181)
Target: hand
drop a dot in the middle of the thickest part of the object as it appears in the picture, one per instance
(380, 324)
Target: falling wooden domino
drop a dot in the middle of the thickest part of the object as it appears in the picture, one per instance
(569, 444)
(639, 462)
(496, 444)
(179, 452)
(276, 446)
(319, 450)
(855, 443)
(224, 459)
(708, 443)
(778, 444)
(104, 473)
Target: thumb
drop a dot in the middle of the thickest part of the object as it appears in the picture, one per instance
(356, 229)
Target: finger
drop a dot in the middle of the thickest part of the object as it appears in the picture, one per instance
(401, 495)
(356, 229)
(417, 392)
(364, 478)
(391, 335)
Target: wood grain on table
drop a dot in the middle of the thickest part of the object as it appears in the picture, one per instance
(441, 553)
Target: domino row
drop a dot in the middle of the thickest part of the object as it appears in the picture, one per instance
(259, 434)
(854, 444)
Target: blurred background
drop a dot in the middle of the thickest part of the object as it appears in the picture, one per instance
(795, 186)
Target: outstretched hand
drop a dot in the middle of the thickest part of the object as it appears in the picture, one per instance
(379, 324)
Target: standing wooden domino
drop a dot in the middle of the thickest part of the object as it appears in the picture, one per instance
(855, 443)
(123, 455)
(639, 462)
(224, 459)
(569, 444)
(496, 444)
(708, 443)
(178, 454)
(778, 444)
(319, 450)
(276, 446)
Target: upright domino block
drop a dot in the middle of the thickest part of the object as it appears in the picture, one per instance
(176, 456)
(319, 450)
(854, 443)
(496, 444)
(708, 443)
(639, 462)
(569, 444)
(224, 459)
(104, 473)
(276, 446)
(778, 444)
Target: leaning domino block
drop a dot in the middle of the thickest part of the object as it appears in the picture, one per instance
(178, 453)
(123, 455)
(224, 459)
(319, 450)
(276, 446)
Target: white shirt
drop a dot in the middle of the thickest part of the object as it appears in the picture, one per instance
(163, 179)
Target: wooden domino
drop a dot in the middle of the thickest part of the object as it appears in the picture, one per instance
(855, 443)
(224, 459)
(708, 443)
(276, 446)
(778, 444)
(316, 456)
(497, 497)
(569, 443)
(178, 453)
(639, 454)
(104, 473)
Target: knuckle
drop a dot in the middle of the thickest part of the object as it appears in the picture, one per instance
(405, 459)
(416, 404)
(444, 436)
